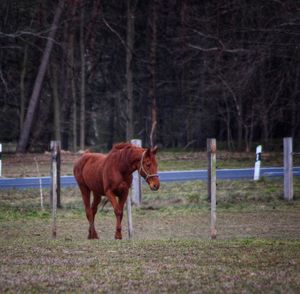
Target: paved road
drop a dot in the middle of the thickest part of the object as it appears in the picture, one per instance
(167, 176)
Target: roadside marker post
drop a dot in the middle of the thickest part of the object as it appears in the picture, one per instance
(257, 163)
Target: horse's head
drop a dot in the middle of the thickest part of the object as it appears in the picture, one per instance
(148, 168)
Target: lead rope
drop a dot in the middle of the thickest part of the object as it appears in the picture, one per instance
(143, 169)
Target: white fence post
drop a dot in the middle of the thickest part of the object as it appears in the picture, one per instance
(212, 178)
(136, 191)
(257, 163)
(0, 160)
(288, 168)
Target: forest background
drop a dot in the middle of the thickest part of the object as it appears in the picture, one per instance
(172, 73)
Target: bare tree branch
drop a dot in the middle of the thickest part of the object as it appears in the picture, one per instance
(220, 49)
(115, 32)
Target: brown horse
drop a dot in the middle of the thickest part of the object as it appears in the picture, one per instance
(111, 176)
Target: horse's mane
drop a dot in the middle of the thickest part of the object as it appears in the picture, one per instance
(121, 154)
(120, 146)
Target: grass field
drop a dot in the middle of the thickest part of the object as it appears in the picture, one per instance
(257, 248)
(256, 251)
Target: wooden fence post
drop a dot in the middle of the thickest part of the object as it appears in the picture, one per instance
(129, 218)
(58, 174)
(0, 160)
(211, 181)
(135, 195)
(257, 163)
(136, 190)
(288, 168)
(55, 149)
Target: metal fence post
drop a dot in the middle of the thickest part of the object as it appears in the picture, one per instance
(288, 168)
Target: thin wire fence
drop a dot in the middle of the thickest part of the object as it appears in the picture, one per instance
(35, 165)
(193, 194)
(245, 208)
(263, 194)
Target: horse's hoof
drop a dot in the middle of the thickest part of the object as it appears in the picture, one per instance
(118, 237)
(93, 236)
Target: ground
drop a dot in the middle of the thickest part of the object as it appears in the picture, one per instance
(171, 252)
(257, 247)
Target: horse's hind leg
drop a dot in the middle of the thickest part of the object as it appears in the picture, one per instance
(86, 198)
(96, 201)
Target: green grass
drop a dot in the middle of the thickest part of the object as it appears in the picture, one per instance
(14, 213)
(244, 195)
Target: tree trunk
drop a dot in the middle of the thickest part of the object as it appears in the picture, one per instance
(64, 90)
(240, 128)
(71, 74)
(74, 105)
(152, 89)
(25, 132)
(228, 121)
(129, 75)
(82, 89)
(238, 108)
(112, 105)
(56, 104)
(295, 97)
(22, 87)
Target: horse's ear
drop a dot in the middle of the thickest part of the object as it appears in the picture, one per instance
(148, 151)
(154, 150)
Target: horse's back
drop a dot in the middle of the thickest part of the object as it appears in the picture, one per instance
(88, 170)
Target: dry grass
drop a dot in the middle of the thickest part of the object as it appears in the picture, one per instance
(171, 252)
(257, 249)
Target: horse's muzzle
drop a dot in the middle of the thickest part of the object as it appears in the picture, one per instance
(154, 185)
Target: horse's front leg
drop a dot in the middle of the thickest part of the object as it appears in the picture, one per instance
(122, 201)
(118, 209)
